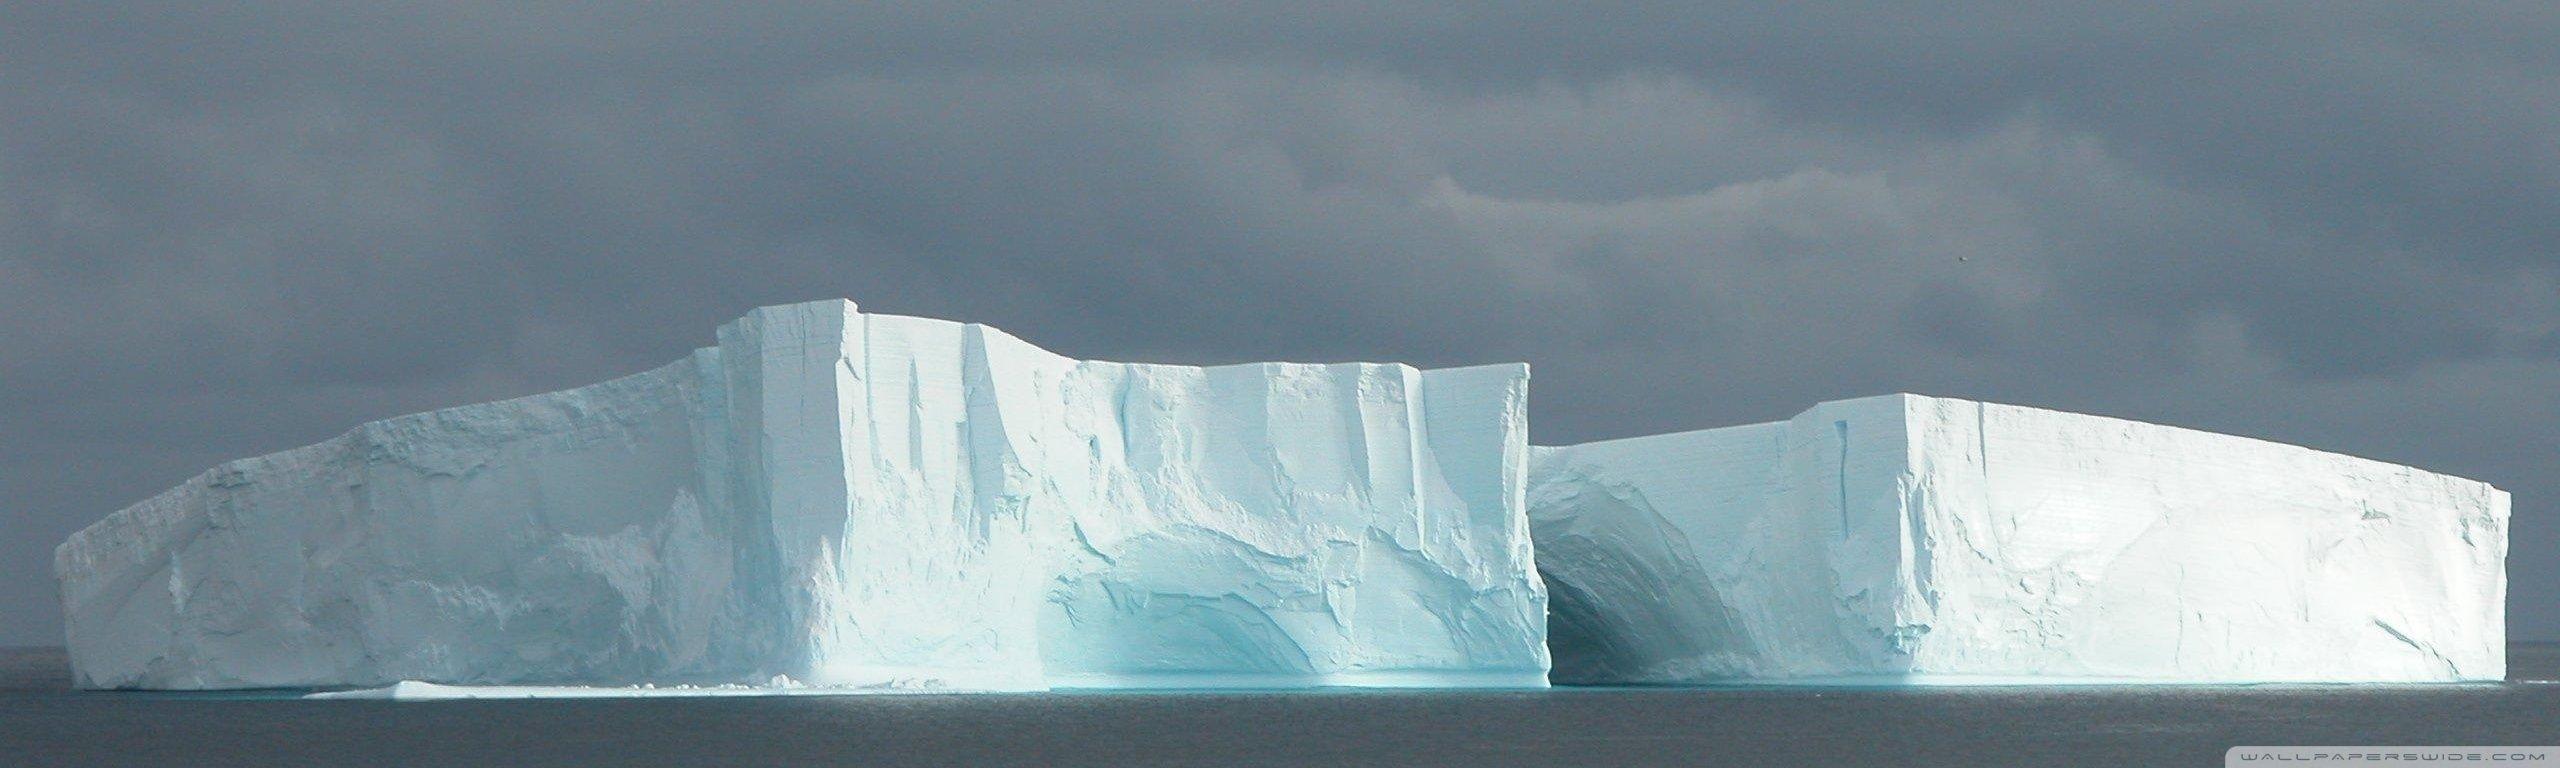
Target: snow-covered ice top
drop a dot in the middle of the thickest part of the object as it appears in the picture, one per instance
(1904, 539)
(837, 499)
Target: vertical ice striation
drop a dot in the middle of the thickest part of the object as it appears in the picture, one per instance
(1905, 539)
(1345, 524)
(854, 500)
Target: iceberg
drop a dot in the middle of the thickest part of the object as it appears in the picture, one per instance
(829, 499)
(1915, 540)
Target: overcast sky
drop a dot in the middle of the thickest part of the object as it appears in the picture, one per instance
(228, 232)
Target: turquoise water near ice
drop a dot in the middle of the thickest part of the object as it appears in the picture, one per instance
(43, 722)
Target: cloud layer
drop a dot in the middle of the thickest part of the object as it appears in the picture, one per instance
(227, 232)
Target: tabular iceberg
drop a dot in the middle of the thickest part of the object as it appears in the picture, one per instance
(1906, 539)
(832, 500)
(838, 499)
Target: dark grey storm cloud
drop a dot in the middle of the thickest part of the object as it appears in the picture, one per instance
(233, 230)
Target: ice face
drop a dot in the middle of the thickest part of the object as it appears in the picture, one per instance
(832, 500)
(1906, 539)
(837, 499)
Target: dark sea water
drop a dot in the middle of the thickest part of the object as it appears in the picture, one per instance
(43, 722)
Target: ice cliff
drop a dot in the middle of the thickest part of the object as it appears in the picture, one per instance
(1906, 539)
(832, 498)
(827, 499)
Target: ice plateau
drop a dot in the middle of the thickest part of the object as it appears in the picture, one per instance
(1905, 539)
(834, 499)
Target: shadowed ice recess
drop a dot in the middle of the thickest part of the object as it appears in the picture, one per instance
(829, 501)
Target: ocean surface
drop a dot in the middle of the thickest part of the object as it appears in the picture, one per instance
(43, 722)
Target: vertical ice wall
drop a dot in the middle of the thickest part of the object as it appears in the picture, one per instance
(854, 500)
(1913, 539)
(2073, 545)
(897, 564)
(1283, 524)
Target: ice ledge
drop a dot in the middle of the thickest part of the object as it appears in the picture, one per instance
(413, 690)
(1281, 680)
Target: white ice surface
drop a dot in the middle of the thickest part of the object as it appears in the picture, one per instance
(859, 502)
(1906, 539)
